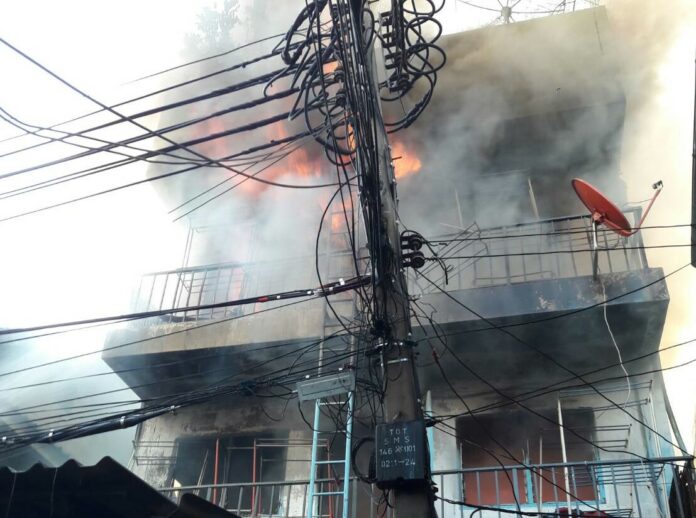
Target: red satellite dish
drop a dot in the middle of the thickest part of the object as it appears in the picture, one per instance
(602, 209)
(605, 212)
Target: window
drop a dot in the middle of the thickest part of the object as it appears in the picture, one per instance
(531, 440)
(239, 459)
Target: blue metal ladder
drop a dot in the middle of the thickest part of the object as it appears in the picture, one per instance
(314, 498)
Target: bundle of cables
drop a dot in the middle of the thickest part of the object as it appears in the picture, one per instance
(411, 55)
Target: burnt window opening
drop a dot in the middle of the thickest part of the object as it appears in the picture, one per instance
(240, 460)
(531, 440)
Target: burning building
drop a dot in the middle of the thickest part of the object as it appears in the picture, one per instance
(542, 382)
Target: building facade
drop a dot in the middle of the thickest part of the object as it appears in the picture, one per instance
(541, 382)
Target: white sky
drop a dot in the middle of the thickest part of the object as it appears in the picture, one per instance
(82, 260)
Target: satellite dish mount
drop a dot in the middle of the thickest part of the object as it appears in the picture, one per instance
(604, 212)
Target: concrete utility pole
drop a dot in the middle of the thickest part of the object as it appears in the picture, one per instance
(392, 318)
(402, 393)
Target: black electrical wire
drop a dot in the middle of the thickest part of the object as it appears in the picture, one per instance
(552, 252)
(207, 58)
(124, 117)
(505, 510)
(323, 291)
(286, 142)
(196, 398)
(133, 183)
(65, 412)
(240, 65)
(486, 431)
(563, 384)
(142, 340)
(445, 239)
(217, 384)
(323, 217)
(518, 402)
(152, 179)
(554, 361)
(216, 354)
(225, 191)
(146, 156)
(32, 408)
(14, 121)
(129, 101)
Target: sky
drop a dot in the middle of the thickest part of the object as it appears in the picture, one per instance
(84, 259)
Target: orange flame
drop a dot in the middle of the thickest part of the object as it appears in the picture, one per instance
(330, 66)
(298, 164)
(406, 163)
(337, 222)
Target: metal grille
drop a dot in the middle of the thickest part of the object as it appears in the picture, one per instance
(548, 249)
(211, 284)
(621, 489)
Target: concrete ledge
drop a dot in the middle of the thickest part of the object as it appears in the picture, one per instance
(296, 323)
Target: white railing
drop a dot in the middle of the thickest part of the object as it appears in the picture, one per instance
(618, 488)
(546, 249)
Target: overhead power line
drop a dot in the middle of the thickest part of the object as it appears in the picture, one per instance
(563, 384)
(207, 58)
(572, 312)
(529, 409)
(135, 99)
(160, 381)
(174, 144)
(481, 234)
(166, 404)
(322, 291)
(554, 361)
(186, 329)
(552, 252)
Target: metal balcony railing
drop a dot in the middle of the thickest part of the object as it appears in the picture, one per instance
(548, 249)
(618, 488)
(210, 284)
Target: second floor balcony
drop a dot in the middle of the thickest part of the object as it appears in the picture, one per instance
(535, 277)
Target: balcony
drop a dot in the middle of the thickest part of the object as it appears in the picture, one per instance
(535, 280)
(621, 488)
(176, 351)
(527, 276)
(211, 284)
(552, 249)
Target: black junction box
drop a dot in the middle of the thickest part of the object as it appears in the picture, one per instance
(400, 454)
